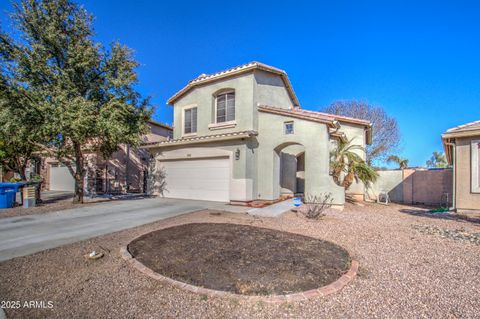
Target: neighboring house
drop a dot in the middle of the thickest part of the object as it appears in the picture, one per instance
(5, 175)
(125, 171)
(462, 148)
(240, 135)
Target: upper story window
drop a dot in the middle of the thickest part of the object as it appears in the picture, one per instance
(190, 121)
(225, 107)
(289, 129)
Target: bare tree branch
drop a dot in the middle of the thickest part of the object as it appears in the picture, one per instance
(386, 133)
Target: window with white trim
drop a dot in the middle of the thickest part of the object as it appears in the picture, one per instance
(475, 146)
(225, 107)
(289, 129)
(190, 121)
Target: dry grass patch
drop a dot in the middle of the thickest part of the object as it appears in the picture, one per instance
(241, 259)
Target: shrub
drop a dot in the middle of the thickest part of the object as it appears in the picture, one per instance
(316, 205)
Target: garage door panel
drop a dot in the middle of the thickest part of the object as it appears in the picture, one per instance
(199, 173)
(205, 179)
(201, 163)
(175, 187)
(61, 179)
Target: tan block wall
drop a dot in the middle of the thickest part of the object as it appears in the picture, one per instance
(428, 186)
(465, 198)
(414, 186)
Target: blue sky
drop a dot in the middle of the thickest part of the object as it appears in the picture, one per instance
(419, 60)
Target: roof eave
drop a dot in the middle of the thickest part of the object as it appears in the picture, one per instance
(465, 133)
(257, 65)
(200, 140)
(339, 135)
(448, 147)
(156, 123)
(330, 123)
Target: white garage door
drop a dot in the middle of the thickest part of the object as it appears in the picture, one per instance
(205, 179)
(61, 179)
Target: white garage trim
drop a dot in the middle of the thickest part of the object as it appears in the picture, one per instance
(199, 178)
(60, 178)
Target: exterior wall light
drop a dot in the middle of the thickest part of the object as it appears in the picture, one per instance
(237, 154)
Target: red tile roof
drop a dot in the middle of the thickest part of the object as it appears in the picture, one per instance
(206, 78)
(201, 139)
(314, 115)
(465, 127)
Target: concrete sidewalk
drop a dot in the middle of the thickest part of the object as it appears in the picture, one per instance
(274, 210)
(25, 235)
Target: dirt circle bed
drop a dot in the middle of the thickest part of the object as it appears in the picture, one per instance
(241, 259)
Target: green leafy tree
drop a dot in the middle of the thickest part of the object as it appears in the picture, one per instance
(347, 166)
(438, 160)
(14, 156)
(401, 162)
(82, 94)
(19, 125)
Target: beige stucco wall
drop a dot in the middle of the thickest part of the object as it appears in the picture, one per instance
(390, 181)
(355, 133)
(466, 199)
(257, 174)
(157, 133)
(251, 90)
(203, 98)
(270, 90)
(242, 184)
(313, 137)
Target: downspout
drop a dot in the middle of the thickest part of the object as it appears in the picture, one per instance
(454, 190)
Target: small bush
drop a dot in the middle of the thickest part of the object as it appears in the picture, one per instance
(316, 205)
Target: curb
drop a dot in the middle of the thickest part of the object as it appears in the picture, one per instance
(331, 288)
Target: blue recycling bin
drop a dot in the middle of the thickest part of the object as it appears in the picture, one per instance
(7, 194)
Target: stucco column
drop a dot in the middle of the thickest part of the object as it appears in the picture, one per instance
(318, 181)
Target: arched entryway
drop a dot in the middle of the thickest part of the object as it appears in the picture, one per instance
(289, 169)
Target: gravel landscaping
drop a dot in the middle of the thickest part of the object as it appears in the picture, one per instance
(455, 234)
(404, 272)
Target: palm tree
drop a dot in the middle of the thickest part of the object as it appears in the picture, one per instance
(401, 162)
(438, 160)
(344, 162)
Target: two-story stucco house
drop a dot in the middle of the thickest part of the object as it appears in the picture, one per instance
(240, 135)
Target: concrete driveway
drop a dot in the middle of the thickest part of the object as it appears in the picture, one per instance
(56, 195)
(24, 235)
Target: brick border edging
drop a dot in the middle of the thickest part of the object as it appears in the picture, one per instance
(331, 288)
